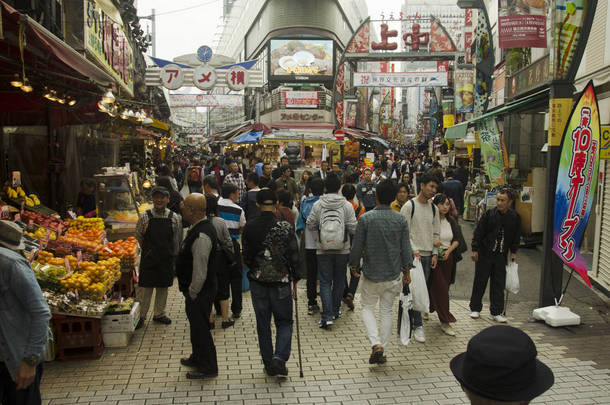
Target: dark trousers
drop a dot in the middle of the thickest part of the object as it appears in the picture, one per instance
(276, 300)
(236, 280)
(198, 314)
(9, 395)
(489, 268)
(311, 262)
(352, 286)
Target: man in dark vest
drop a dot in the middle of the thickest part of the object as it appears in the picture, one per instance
(159, 232)
(197, 279)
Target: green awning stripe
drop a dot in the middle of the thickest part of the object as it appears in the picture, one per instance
(512, 106)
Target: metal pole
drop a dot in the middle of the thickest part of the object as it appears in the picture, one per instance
(154, 32)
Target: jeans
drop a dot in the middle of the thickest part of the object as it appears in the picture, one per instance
(426, 262)
(311, 262)
(276, 300)
(9, 395)
(491, 268)
(385, 293)
(352, 286)
(331, 271)
(198, 314)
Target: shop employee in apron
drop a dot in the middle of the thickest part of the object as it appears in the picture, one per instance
(159, 232)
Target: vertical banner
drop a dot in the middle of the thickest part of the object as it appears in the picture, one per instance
(522, 23)
(350, 108)
(492, 151)
(577, 181)
(464, 91)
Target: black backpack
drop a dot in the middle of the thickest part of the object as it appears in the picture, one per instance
(413, 208)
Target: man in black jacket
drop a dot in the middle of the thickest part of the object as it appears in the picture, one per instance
(497, 232)
(454, 190)
(270, 251)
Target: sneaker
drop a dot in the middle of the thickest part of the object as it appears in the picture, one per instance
(162, 319)
(228, 324)
(312, 309)
(425, 316)
(383, 360)
(270, 371)
(279, 366)
(499, 318)
(236, 315)
(349, 301)
(446, 327)
(338, 315)
(325, 324)
(475, 315)
(376, 355)
(419, 334)
(140, 323)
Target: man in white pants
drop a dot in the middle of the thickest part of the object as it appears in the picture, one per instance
(382, 240)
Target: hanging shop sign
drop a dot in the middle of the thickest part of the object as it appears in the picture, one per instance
(464, 91)
(529, 78)
(237, 78)
(405, 79)
(405, 34)
(604, 150)
(192, 131)
(522, 23)
(172, 76)
(105, 40)
(350, 109)
(301, 99)
(492, 151)
(577, 181)
(499, 84)
(306, 116)
(206, 100)
(204, 77)
(568, 20)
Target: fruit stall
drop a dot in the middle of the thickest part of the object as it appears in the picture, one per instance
(88, 282)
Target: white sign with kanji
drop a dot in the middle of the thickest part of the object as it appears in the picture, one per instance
(204, 77)
(237, 78)
(172, 76)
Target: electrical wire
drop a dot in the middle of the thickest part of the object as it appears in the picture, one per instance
(186, 8)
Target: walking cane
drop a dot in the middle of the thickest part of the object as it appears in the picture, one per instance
(296, 310)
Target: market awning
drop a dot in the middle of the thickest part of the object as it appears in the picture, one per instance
(380, 141)
(248, 137)
(457, 131)
(512, 106)
(302, 125)
(60, 49)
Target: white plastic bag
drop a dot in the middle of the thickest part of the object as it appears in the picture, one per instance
(406, 302)
(418, 288)
(512, 278)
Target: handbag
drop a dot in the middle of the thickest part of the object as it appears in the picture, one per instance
(405, 319)
(512, 278)
(418, 288)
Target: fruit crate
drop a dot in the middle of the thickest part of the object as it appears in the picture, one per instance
(125, 286)
(78, 338)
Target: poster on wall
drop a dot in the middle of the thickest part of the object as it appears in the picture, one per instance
(492, 151)
(577, 181)
(464, 92)
(349, 109)
(301, 58)
(522, 23)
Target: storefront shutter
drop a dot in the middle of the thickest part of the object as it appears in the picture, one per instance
(601, 272)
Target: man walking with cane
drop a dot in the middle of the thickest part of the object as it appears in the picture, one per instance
(271, 253)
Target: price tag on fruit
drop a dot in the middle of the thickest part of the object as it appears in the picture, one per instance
(79, 256)
(22, 205)
(107, 249)
(48, 236)
(72, 214)
(68, 270)
(76, 293)
(31, 257)
(31, 224)
(4, 213)
(17, 217)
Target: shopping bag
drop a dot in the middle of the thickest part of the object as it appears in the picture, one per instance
(404, 318)
(419, 289)
(512, 278)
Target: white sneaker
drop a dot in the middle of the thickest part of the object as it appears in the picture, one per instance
(446, 327)
(475, 315)
(499, 318)
(419, 335)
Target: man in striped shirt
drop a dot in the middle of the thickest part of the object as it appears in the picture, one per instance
(234, 216)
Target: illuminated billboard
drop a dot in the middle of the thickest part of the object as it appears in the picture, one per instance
(301, 59)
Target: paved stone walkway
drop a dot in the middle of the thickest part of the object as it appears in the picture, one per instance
(335, 364)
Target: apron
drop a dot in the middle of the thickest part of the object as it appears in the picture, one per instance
(157, 261)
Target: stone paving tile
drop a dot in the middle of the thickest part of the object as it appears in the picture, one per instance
(335, 364)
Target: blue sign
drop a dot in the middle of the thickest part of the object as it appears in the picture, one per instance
(204, 53)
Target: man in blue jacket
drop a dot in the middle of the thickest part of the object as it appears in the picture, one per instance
(24, 322)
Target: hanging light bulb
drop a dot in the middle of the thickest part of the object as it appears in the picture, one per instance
(26, 86)
(16, 82)
(47, 94)
(103, 107)
(147, 121)
(61, 100)
(108, 97)
(113, 111)
(130, 114)
(72, 102)
(124, 115)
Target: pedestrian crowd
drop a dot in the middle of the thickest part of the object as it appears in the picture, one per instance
(341, 229)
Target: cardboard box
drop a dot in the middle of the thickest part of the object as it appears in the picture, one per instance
(116, 339)
(113, 323)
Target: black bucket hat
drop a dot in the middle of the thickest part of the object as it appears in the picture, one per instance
(500, 364)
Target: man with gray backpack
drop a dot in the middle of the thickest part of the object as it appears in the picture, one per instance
(332, 216)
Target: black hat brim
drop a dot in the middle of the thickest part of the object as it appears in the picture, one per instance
(542, 381)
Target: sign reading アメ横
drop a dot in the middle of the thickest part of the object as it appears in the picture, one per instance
(577, 181)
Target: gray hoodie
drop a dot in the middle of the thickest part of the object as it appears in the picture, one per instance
(333, 201)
